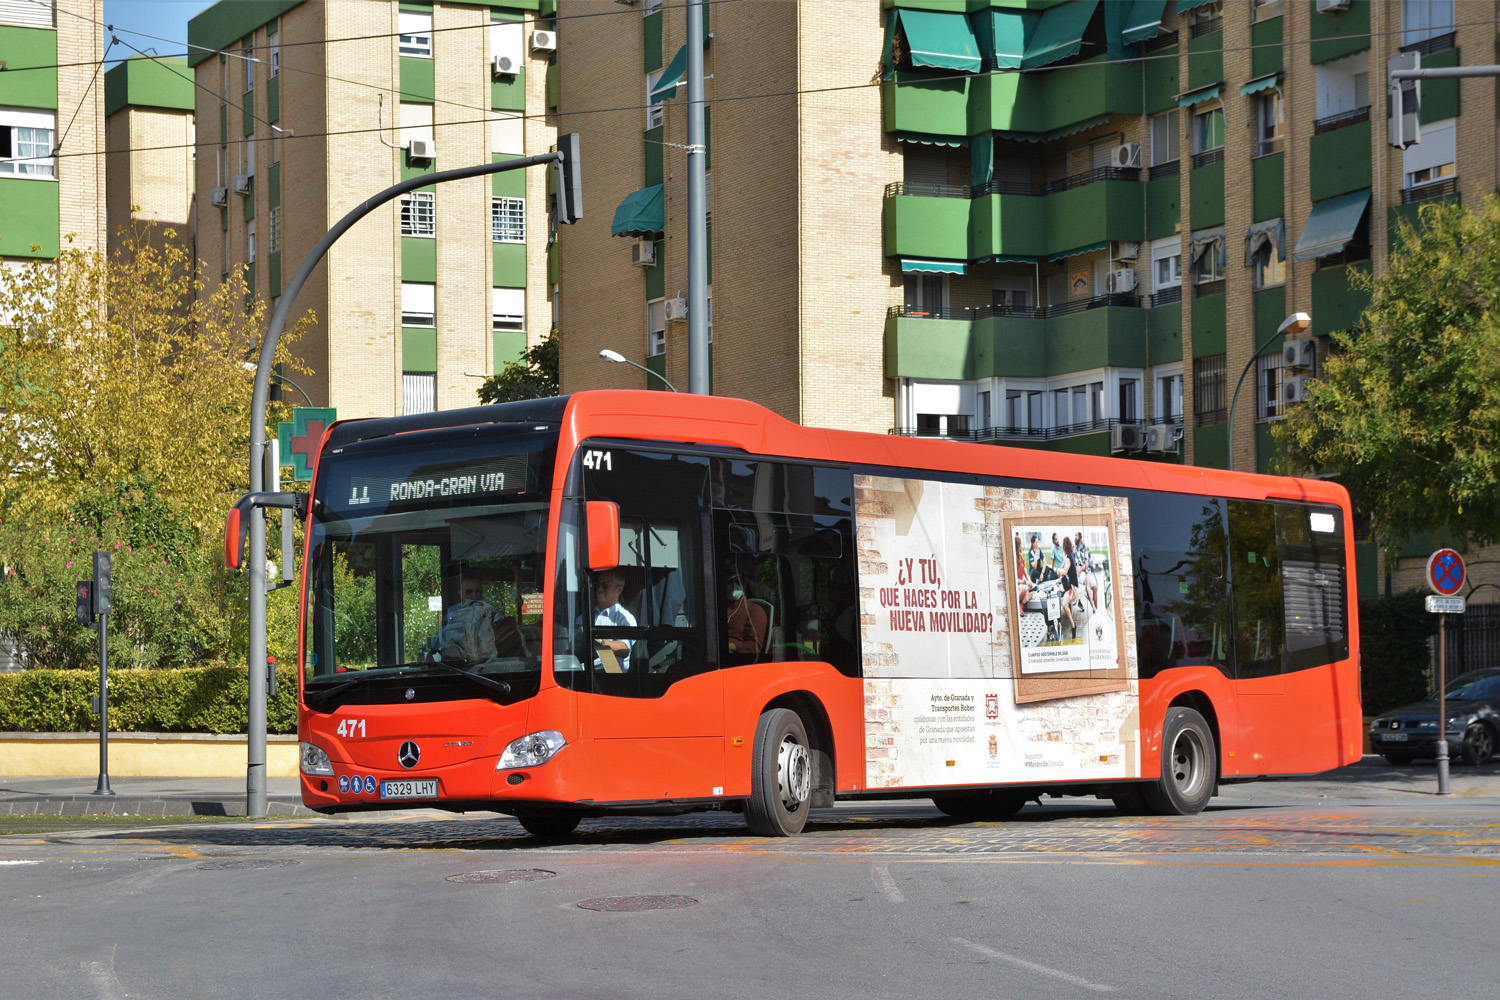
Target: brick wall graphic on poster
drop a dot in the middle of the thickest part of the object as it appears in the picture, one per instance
(947, 613)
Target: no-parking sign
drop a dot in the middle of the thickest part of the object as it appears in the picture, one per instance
(1445, 572)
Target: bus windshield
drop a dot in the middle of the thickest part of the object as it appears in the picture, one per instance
(426, 568)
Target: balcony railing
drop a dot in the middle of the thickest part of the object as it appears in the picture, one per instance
(1003, 433)
(1431, 46)
(1208, 156)
(898, 188)
(1161, 170)
(1351, 254)
(1436, 189)
(903, 188)
(1166, 296)
(1341, 120)
(1018, 312)
(1205, 26)
(1202, 288)
(1092, 177)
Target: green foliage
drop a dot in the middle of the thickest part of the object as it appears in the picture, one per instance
(533, 378)
(1407, 412)
(1393, 650)
(192, 700)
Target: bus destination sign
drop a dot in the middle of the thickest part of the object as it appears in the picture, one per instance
(468, 479)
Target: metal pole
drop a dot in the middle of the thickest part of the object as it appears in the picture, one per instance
(255, 772)
(1445, 73)
(698, 370)
(1240, 385)
(102, 788)
(1442, 720)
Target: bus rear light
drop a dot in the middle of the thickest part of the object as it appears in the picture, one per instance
(531, 750)
(315, 760)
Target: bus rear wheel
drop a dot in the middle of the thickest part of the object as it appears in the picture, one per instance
(780, 776)
(998, 803)
(548, 824)
(1189, 765)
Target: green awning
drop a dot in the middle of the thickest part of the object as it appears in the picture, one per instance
(1009, 31)
(1264, 83)
(1331, 226)
(1186, 5)
(1009, 258)
(1203, 240)
(934, 266)
(666, 84)
(1144, 20)
(1198, 96)
(642, 213)
(940, 41)
(1087, 123)
(1059, 33)
(1076, 251)
(923, 139)
(1261, 233)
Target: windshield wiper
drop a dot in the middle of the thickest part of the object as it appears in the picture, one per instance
(324, 693)
(474, 675)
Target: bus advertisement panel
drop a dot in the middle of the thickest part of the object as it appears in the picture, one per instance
(986, 657)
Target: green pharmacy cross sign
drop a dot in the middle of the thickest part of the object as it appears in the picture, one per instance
(300, 438)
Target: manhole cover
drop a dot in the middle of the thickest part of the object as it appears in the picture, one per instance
(629, 904)
(244, 863)
(518, 875)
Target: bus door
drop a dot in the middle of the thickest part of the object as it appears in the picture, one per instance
(1259, 636)
(651, 699)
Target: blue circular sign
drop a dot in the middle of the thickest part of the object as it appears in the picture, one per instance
(1445, 572)
(343, 784)
(369, 784)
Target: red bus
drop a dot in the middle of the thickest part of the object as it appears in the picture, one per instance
(641, 602)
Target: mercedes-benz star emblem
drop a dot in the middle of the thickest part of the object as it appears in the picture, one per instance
(411, 693)
(408, 754)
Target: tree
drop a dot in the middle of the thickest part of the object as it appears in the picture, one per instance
(124, 422)
(1407, 411)
(534, 377)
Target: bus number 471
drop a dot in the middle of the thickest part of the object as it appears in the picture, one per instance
(598, 460)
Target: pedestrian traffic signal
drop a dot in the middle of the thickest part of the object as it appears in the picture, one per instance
(101, 583)
(84, 591)
(569, 181)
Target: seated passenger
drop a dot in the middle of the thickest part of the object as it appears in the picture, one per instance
(468, 631)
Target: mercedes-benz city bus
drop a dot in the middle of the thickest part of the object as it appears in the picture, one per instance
(640, 602)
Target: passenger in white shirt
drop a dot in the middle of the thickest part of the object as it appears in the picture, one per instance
(608, 585)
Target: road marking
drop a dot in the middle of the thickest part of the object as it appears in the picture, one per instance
(1066, 977)
(106, 982)
(20, 862)
(887, 884)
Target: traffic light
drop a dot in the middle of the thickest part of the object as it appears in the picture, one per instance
(101, 583)
(1404, 102)
(83, 589)
(569, 181)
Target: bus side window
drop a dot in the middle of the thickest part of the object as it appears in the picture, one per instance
(1259, 618)
(1311, 545)
(1181, 606)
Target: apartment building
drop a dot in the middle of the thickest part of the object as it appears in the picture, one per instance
(51, 129)
(1066, 224)
(149, 135)
(305, 108)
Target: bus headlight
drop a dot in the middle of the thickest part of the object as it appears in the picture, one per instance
(315, 760)
(531, 750)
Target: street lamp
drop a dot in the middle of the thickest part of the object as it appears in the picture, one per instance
(1298, 322)
(249, 366)
(619, 358)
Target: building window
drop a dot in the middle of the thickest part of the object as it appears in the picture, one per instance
(1433, 159)
(1129, 400)
(1166, 138)
(1023, 411)
(275, 55)
(656, 328)
(508, 220)
(419, 213)
(248, 61)
(1268, 375)
(655, 111)
(1166, 264)
(1264, 10)
(1169, 398)
(418, 303)
(1210, 264)
(926, 294)
(275, 226)
(508, 309)
(415, 33)
(250, 242)
(1343, 86)
(650, 7)
(1269, 115)
(26, 144)
(507, 41)
(1208, 130)
(1424, 19)
(1078, 407)
(418, 392)
(1208, 391)
(1270, 267)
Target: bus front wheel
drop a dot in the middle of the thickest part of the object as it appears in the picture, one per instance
(780, 776)
(1189, 765)
(548, 824)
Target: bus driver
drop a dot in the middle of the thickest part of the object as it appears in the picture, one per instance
(614, 654)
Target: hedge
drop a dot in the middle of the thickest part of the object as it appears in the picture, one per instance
(1395, 658)
(187, 700)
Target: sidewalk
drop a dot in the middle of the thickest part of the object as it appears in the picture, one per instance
(145, 797)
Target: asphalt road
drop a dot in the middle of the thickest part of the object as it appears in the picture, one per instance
(1359, 884)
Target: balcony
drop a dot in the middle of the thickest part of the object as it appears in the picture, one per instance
(1436, 189)
(1208, 157)
(1049, 103)
(1202, 288)
(1166, 296)
(1341, 120)
(1004, 433)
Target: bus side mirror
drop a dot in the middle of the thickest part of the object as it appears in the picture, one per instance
(604, 534)
(237, 524)
(235, 530)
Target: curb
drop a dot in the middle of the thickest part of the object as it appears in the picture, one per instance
(135, 805)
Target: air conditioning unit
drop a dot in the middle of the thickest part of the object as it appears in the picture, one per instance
(1162, 438)
(1125, 250)
(677, 310)
(1299, 354)
(1122, 280)
(643, 253)
(1126, 437)
(241, 183)
(1332, 6)
(1128, 155)
(504, 65)
(544, 41)
(218, 196)
(1294, 389)
(421, 149)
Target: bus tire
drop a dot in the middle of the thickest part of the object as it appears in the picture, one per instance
(548, 824)
(780, 776)
(1189, 765)
(996, 803)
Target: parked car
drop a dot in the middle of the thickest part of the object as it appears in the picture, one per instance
(1411, 731)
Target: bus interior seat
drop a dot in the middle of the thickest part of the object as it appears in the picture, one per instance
(770, 610)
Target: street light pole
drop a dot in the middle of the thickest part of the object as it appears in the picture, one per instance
(1299, 322)
(698, 370)
(619, 358)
